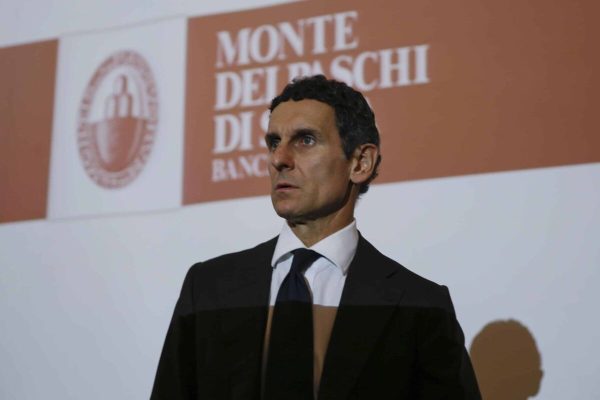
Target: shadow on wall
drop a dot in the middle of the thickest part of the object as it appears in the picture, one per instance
(506, 361)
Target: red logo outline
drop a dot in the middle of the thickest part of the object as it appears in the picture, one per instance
(115, 149)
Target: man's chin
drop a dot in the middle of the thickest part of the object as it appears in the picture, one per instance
(285, 214)
(292, 216)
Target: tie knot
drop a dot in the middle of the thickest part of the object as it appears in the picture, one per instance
(303, 258)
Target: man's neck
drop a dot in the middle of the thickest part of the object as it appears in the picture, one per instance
(311, 232)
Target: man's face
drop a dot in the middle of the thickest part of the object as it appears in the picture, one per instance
(310, 175)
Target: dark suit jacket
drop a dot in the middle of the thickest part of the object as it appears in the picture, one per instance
(395, 334)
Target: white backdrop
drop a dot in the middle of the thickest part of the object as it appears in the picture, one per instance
(85, 303)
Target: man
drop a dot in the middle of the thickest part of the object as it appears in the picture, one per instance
(375, 330)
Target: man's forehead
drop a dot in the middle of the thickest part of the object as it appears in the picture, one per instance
(304, 113)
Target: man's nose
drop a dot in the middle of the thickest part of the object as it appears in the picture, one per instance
(282, 158)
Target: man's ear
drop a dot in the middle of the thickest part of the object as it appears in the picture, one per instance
(364, 163)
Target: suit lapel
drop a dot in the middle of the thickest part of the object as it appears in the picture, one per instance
(367, 303)
(243, 299)
(249, 282)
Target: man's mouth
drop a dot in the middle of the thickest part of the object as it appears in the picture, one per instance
(283, 186)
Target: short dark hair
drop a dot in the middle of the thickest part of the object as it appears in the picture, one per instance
(354, 117)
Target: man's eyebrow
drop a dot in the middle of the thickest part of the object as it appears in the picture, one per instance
(304, 132)
(298, 133)
(271, 136)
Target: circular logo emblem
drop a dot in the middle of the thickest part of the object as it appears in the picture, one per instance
(117, 122)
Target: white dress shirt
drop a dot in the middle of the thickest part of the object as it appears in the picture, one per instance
(327, 275)
(326, 278)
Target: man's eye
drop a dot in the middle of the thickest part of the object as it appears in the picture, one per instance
(272, 143)
(307, 140)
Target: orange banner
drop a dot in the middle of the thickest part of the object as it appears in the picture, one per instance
(27, 80)
(456, 90)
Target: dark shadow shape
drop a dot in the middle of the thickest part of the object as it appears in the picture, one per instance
(507, 362)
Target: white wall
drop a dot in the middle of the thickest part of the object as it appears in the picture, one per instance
(85, 302)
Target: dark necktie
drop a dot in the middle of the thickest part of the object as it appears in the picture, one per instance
(289, 370)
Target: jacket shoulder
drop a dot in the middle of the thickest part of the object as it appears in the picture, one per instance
(226, 263)
(417, 290)
(206, 280)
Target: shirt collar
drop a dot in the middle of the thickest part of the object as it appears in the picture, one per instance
(339, 248)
